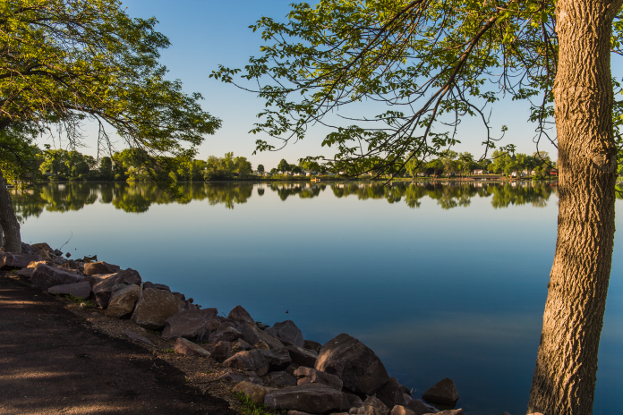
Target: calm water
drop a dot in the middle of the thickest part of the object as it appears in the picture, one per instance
(440, 281)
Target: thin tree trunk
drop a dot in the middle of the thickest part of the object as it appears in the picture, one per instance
(8, 220)
(566, 367)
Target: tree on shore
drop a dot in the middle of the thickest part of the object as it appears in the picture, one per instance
(66, 61)
(435, 62)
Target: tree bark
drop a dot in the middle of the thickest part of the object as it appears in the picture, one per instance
(566, 367)
(8, 220)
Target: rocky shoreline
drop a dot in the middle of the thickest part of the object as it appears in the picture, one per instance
(274, 366)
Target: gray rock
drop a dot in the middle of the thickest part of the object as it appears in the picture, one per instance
(353, 400)
(310, 398)
(225, 334)
(13, 261)
(232, 376)
(309, 375)
(391, 393)
(252, 360)
(239, 314)
(190, 324)
(27, 249)
(154, 307)
(419, 407)
(287, 332)
(356, 364)
(103, 289)
(135, 337)
(80, 289)
(303, 357)
(188, 348)
(278, 359)
(459, 412)
(379, 407)
(253, 335)
(241, 345)
(255, 393)
(123, 300)
(41, 246)
(101, 267)
(281, 379)
(222, 351)
(25, 272)
(312, 345)
(443, 392)
(45, 276)
(401, 410)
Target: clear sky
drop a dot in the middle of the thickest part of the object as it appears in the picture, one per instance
(206, 33)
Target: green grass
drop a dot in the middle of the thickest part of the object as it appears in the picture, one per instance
(78, 300)
(251, 408)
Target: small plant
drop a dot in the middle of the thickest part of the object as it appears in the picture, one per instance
(75, 300)
(170, 351)
(251, 408)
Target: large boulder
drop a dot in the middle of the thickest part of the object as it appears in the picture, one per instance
(103, 289)
(225, 334)
(356, 364)
(80, 289)
(255, 393)
(13, 261)
(303, 357)
(46, 276)
(190, 324)
(309, 375)
(101, 267)
(443, 393)
(188, 348)
(281, 379)
(154, 307)
(287, 332)
(278, 358)
(252, 360)
(391, 394)
(222, 351)
(123, 300)
(240, 314)
(311, 398)
(253, 335)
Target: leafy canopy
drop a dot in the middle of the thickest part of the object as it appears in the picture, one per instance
(426, 62)
(62, 61)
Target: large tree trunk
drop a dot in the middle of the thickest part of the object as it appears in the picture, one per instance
(566, 367)
(8, 220)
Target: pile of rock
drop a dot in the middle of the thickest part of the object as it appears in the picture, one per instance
(274, 365)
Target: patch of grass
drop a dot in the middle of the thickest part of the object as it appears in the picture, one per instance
(76, 300)
(79, 300)
(251, 408)
(168, 351)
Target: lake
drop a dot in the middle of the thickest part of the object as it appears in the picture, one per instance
(440, 280)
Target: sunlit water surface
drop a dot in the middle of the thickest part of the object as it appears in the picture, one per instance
(439, 280)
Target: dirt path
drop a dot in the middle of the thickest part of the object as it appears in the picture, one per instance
(54, 362)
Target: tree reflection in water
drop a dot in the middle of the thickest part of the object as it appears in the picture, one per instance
(138, 197)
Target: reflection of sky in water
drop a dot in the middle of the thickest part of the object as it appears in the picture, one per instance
(436, 293)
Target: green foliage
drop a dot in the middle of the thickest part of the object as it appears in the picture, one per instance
(251, 408)
(430, 63)
(19, 158)
(64, 61)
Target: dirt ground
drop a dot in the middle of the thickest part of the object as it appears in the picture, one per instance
(57, 358)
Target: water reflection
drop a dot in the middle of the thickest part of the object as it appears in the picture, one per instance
(138, 197)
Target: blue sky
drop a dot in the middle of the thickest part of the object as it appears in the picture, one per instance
(206, 33)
